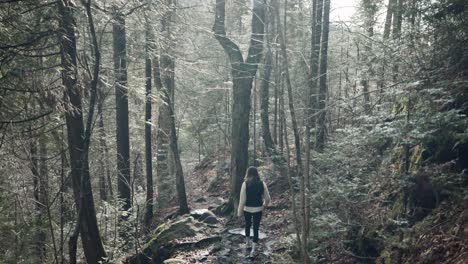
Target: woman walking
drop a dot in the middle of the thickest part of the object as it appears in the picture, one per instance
(254, 196)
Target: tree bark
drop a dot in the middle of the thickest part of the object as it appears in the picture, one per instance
(148, 146)
(39, 246)
(180, 183)
(370, 9)
(322, 100)
(78, 138)
(121, 101)
(164, 68)
(102, 142)
(388, 18)
(311, 105)
(104, 158)
(265, 90)
(243, 73)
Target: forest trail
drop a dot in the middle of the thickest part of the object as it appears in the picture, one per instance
(230, 248)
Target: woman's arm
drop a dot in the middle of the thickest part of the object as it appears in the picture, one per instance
(243, 197)
(266, 195)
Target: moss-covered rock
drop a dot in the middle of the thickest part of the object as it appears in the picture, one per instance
(169, 236)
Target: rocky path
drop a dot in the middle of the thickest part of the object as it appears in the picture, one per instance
(204, 237)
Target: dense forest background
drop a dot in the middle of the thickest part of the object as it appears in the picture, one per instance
(120, 117)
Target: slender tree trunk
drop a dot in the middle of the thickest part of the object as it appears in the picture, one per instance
(78, 138)
(321, 122)
(39, 245)
(292, 193)
(62, 200)
(296, 134)
(290, 95)
(243, 74)
(265, 89)
(254, 121)
(43, 201)
(397, 22)
(370, 9)
(317, 8)
(180, 182)
(388, 18)
(102, 142)
(386, 35)
(281, 124)
(104, 158)
(121, 101)
(148, 145)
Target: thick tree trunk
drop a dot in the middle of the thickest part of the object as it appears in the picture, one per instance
(243, 74)
(165, 81)
(322, 100)
(77, 139)
(121, 101)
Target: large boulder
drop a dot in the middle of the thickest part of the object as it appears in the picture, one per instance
(174, 235)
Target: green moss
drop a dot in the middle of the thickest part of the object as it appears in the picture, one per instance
(416, 158)
(386, 256)
(397, 206)
(159, 247)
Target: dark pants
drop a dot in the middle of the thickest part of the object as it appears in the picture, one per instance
(256, 224)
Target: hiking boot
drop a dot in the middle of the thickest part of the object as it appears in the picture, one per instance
(248, 243)
(252, 251)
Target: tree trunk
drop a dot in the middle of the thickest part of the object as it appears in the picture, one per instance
(103, 169)
(265, 90)
(148, 146)
(254, 122)
(243, 74)
(43, 201)
(103, 146)
(164, 68)
(397, 22)
(297, 142)
(311, 105)
(78, 139)
(293, 196)
(121, 101)
(321, 122)
(370, 9)
(388, 18)
(39, 247)
(180, 183)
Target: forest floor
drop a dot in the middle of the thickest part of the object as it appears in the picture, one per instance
(208, 188)
(438, 238)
